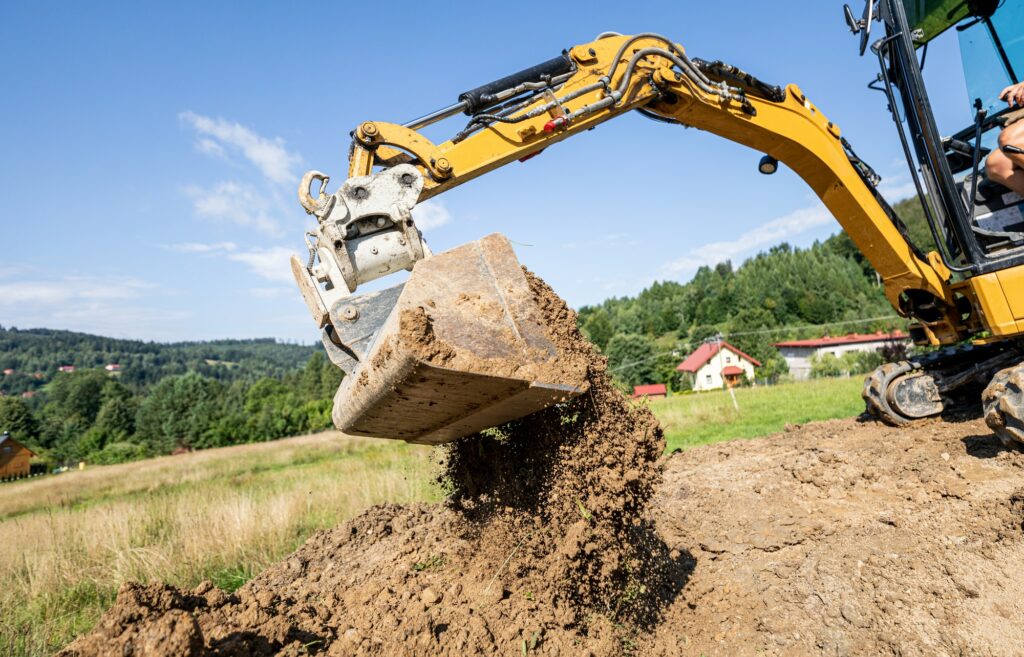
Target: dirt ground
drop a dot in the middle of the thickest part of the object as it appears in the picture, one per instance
(568, 533)
(847, 538)
(837, 538)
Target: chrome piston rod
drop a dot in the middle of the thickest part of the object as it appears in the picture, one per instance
(435, 116)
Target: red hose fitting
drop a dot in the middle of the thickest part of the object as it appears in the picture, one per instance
(555, 124)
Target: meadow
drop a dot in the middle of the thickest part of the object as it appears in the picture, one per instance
(698, 419)
(67, 542)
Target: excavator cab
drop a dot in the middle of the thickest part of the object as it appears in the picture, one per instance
(972, 225)
(976, 225)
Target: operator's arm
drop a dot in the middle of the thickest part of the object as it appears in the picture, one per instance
(1013, 94)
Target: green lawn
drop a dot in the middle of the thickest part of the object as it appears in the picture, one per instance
(701, 418)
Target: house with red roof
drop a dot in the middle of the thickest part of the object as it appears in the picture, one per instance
(717, 363)
(650, 390)
(798, 353)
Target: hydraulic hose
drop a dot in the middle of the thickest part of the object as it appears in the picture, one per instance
(652, 35)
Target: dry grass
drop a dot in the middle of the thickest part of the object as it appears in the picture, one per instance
(68, 542)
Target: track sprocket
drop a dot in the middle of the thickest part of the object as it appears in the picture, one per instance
(1003, 402)
(899, 393)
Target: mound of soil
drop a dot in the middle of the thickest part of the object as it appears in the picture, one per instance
(565, 535)
(848, 538)
(544, 545)
(838, 538)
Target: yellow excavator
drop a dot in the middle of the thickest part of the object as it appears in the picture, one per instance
(461, 344)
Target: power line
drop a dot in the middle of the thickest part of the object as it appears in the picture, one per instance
(687, 345)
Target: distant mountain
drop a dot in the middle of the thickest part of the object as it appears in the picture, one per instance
(30, 358)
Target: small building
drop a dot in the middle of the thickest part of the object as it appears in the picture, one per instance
(14, 458)
(68, 369)
(8, 372)
(798, 353)
(650, 390)
(716, 364)
(113, 368)
(28, 394)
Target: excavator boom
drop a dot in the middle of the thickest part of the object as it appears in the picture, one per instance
(490, 361)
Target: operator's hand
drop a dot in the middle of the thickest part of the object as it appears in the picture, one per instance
(1013, 95)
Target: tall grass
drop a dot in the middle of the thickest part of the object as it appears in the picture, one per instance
(701, 418)
(68, 542)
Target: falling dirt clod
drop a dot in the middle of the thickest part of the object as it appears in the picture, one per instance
(543, 545)
(835, 538)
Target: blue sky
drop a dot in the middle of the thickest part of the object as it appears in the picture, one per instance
(149, 153)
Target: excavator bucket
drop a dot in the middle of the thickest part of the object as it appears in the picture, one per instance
(462, 345)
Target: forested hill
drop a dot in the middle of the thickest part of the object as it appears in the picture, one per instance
(161, 398)
(779, 294)
(35, 355)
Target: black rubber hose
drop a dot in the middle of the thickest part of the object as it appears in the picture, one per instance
(484, 96)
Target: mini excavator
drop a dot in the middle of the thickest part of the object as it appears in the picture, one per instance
(963, 290)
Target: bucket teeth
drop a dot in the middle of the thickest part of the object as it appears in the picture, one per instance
(461, 346)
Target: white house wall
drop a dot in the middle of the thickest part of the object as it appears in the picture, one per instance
(799, 358)
(709, 376)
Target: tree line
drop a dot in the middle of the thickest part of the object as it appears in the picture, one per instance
(781, 294)
(93, 416)
(33, 357)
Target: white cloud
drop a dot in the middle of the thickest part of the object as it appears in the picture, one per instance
(897, 188)
(271, 264)
(237, 203)
(272, 292)
(430, 214)
(270, 155)
(70, 289)
(104, 305)
(199, 247)
(766, 234)
(211, 148)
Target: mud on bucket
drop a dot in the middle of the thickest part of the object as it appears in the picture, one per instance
(461, 346)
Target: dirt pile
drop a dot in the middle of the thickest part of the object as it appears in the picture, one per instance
(839, 538)
(848, 538)
(545, 546)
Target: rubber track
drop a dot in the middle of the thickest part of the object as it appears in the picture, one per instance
(1003, 401)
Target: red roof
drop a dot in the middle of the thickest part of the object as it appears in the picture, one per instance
(650, 390)
(851, 338)
(732, 370)
(706, 351)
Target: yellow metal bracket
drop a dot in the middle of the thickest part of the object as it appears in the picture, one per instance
(386, 143)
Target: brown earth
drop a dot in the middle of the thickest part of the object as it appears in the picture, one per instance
(837, 538)
(564, 534)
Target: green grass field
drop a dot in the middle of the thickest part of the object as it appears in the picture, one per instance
(67, 542)
(702, 418)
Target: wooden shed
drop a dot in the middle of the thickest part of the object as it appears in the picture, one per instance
(14, 458)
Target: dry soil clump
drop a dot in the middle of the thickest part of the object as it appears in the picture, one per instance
(544, 546)
(839, 538)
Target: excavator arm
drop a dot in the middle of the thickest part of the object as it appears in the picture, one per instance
(365, 230)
